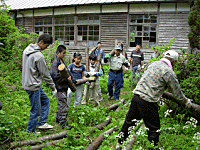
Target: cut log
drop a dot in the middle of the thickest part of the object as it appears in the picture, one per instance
(114, 106)
(194, 110)
(93, 49)
(65, 73)
(104, 123)
(122, 106)
(131, 142)
(83, 81)
(36, 147)
(97, 142)
(97, 68)
(39, 139)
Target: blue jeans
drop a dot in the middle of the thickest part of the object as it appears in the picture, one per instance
(77, 97)
(118, 78)
(134, 70)
(39, 109)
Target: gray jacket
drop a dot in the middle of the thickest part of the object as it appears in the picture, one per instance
(34, 69)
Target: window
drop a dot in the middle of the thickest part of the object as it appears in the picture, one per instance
(143, 30)
(43, 25)
(64, 30)
(88, 30)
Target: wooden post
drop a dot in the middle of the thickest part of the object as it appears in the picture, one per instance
(64, 73)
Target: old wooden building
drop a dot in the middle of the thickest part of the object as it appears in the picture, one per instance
(81, 23)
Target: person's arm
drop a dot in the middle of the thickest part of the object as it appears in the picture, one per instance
(100, 73)
(84, 69)
(42, 68)
(174, 86)
(142, 59)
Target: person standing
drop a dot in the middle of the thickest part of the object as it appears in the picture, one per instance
(137, 59)
(115, 72)
(96, 51)
(34, 71)
(93, 93)
(61, 86)
(77, 69)
(156, 78)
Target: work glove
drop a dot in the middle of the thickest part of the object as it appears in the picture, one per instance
(188, 103)
(107, 56)
(54, 93)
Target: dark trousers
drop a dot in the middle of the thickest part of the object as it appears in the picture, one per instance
(61, 114)
(142, 109)
(118, 78)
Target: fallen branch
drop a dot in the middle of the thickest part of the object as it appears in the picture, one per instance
(96, 143)
(41, 145)
(194, 110)
(39, 139)
(83, 81)
(104, 123)
(116, 105)
(131, 142)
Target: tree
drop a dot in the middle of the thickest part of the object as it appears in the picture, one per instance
(194, 23)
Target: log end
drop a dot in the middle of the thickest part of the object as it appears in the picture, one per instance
(61, 67)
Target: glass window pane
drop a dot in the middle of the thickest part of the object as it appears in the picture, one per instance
(96, 32)
(96, 38)
(85, 38)
(71, 37)
(96, 27)
(139, 33)
(146, 28)
(153, 28)
(38, 21)
(146, 34)
(47, 21)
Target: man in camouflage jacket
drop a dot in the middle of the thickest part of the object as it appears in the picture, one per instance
(156, 79)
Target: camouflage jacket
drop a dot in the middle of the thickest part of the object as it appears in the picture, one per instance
(156, 79)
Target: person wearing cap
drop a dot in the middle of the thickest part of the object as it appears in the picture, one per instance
(115, 73)
(137, 59)
(98, 50)
(157, 77)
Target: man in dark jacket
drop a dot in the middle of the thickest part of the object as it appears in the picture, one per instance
(61, 84)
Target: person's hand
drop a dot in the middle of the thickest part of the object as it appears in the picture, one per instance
(107, 56)
(54, 93)
(70, 78)
(188, 103)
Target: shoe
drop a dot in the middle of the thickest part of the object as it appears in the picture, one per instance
(45, 126)
(118, 146)
(36, 132)
(57, 120)
(109, 97)
(68, 127)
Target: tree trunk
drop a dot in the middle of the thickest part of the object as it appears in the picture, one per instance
(65, 73)
(97, 68)
(97, 142)
(87, 58)
(104, 123)
(39, 139)
(116, 105)
(194, 110)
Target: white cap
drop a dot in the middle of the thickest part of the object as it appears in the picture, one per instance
(171, 54)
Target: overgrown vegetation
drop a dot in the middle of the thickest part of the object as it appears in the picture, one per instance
(194, 23)
(176, 133)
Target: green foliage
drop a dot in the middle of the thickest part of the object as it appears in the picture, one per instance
(194, 23)
(188, 74)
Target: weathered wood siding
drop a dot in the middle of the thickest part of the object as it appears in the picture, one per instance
(113, 27)
(26, 22)
(173, 25)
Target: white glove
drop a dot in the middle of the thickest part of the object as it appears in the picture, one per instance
(188, 103)
(91, 73)
(54, 93)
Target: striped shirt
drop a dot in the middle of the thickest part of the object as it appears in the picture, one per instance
(137, 57)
